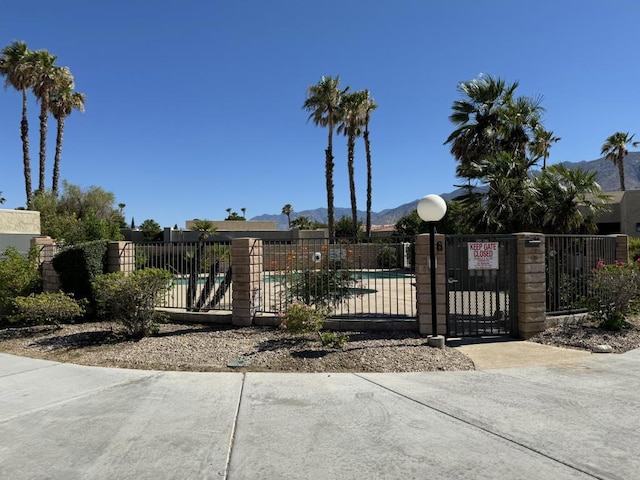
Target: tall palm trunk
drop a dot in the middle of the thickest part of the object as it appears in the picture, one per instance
(621, 172)
(24, 136)
(58, 156)
(44, 112)
(329, 177)
(351, 147)
(367, 147)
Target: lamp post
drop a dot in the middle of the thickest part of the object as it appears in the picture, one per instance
(431, 209)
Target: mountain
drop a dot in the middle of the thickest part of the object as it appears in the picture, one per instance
(606, 176)
(607, 172)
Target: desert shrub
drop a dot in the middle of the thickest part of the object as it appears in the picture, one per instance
(387, 257)
(47, 309)
(300, 318)
(333, 339)
(18, 277)
(322, 287)
(131, 299)
(614, 292)
(79, 265)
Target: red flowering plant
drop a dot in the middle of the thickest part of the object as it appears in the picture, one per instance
(614, 293)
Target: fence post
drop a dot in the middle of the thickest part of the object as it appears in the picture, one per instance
(531, 283)
(622, 248)
(47, 250)
(423, 285)
(121, 257)
(246, 254)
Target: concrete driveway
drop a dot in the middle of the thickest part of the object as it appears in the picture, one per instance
(574, 420)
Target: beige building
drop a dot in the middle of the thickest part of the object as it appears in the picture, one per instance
(624, 215)
(17, 228)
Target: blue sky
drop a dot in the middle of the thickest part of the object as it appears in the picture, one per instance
(194, 106)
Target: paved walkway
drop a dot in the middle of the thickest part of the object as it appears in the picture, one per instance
(571, 420)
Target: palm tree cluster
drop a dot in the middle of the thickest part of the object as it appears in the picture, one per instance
(348, 113)
(53, 87)
(498, 140)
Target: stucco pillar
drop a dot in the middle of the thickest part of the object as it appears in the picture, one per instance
(121, 257)
(247, 268)
(531, 283)
(423, 285)
(622, 248)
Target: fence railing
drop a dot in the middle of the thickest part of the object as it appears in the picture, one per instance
(569, 261)
(202, 272)
(364, 280)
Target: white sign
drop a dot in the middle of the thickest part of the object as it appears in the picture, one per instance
(483, 255)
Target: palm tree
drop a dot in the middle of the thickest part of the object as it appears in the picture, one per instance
(13, 66)
(244, 211)
(63, 101)
(572, 198)
(287, 210)
(323, 102)
(2, 199)
(351, 106)
(543, 141)
(46, 78)
(478, 120)
(615, 149)
(368, 106)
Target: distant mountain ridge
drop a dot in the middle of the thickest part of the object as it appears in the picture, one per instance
(606, 176)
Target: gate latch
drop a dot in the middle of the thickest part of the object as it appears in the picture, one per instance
(451, 280)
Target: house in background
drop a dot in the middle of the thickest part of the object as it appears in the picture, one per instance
(17, 228)
(623, 216)
(229, 229)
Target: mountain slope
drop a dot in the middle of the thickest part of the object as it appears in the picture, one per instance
(607, 178)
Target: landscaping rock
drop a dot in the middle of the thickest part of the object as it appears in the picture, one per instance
(602, 349)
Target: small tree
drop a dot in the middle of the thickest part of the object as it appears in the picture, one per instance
(344, 228)
(151, 230)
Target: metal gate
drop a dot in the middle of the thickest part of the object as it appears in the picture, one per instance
(481, 285)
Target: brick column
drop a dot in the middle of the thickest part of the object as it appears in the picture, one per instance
(531, 283)
(622, 248)
(247, 267)
(423, 284)
(121, 257)
(47, 250)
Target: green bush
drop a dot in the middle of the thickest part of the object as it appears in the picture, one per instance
(322, 287)
(387, 257)
(131, 299)
(79, 265)
(18, 277)
(614, 291)
(634, 248)
(47, 308)
(300, 318)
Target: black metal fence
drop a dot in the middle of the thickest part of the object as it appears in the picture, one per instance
(356, 279)
(481, 299)
(569, 261)
(202, 272)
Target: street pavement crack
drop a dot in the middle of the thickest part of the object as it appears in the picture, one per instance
(232, 438)
(481, 428)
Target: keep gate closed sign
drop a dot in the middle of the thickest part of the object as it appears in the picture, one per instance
(483, 255)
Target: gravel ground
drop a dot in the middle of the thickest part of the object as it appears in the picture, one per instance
(207, 348)
(585, 336)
